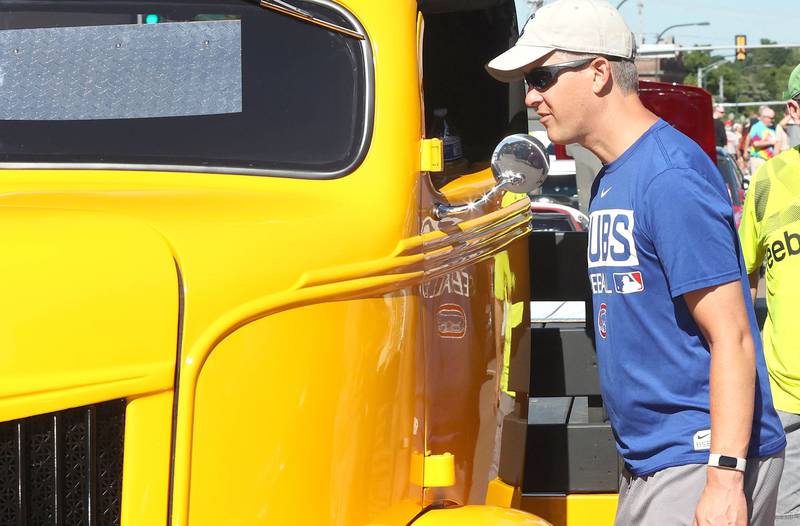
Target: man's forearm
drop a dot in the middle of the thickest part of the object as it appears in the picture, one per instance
(760, 145)
(732, 385)
(732, 397)
(721, 315)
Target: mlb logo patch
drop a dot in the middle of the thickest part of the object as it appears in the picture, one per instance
(628, 282)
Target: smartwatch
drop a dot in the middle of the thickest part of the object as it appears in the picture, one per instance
(725, 462)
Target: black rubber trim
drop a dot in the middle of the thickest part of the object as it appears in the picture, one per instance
(439, 505)
(176, 385)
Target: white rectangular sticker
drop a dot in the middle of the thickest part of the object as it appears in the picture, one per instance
(702, 440)
(611, 241)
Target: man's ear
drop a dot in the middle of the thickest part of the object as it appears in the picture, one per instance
(793, 107)
(602, 80)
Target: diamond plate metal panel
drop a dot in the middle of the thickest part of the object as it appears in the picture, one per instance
(121, 71)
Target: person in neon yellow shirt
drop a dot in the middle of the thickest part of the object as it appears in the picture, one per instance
(770, 236)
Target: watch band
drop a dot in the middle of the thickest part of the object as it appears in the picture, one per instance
(725, 462)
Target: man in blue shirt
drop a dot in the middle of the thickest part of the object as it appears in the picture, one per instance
(681, 366)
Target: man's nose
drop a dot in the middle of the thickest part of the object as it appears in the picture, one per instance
(533, 98)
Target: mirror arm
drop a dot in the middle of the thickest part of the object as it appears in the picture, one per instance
(440, 211)
(519, 164)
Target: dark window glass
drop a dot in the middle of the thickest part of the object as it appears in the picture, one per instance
(304, 95)
(546, 222)
(730, 173)
(560, 185)
(561, 189)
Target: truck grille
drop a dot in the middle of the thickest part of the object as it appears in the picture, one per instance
(63, 468)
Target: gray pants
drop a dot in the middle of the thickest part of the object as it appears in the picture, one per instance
(669, 497)
(788, 513)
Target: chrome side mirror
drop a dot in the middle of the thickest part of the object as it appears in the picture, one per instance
(519, 163)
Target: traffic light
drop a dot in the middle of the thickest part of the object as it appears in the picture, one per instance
(741, 50)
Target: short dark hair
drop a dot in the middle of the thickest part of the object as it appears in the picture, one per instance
(623, 70)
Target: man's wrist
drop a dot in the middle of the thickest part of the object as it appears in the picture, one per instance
(727, 462)
(729, 478)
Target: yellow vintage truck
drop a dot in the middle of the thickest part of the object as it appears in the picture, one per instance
(233, 290)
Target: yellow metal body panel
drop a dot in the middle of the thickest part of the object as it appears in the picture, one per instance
(501, 494)
(147, 445)
(468, 186)
(303, 420)
(314, 324)
(74, 282)
(574, 510)
(479, 516)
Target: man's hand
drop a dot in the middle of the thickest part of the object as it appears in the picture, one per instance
(722, 501)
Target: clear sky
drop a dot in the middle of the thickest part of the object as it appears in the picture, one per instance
(778, 20)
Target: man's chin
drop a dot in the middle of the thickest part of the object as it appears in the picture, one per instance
(557, 136)
(554, 136)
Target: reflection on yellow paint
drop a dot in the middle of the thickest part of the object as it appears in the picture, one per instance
(479, 516)
(319, 332)
(574, 510)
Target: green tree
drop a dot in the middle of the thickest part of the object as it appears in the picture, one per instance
(761, 77)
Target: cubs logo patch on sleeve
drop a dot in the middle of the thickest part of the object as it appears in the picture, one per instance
(602, 327)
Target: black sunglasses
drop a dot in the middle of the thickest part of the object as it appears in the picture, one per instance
(543, 77)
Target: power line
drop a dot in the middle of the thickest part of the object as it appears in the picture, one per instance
(650, 50)
(745, 104)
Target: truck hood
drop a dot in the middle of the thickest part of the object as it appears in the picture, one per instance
(89, 309)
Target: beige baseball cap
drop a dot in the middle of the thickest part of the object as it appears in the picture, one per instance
(579, 26)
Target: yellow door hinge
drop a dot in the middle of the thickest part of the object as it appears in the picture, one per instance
(439, 471)
(432, 156)
(502, 494)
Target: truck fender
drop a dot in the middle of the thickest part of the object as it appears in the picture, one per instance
(478, 516)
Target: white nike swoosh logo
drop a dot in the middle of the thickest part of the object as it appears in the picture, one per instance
(604, 192)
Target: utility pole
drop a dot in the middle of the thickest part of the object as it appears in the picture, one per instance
(640, 5)
(702, 70)
(721, 90)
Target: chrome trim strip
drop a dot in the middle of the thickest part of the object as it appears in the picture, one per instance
(288, 9)
(441, 210)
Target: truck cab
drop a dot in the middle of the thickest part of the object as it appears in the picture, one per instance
(236, 292)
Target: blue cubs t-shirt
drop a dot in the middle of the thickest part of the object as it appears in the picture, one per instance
(661, 225)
